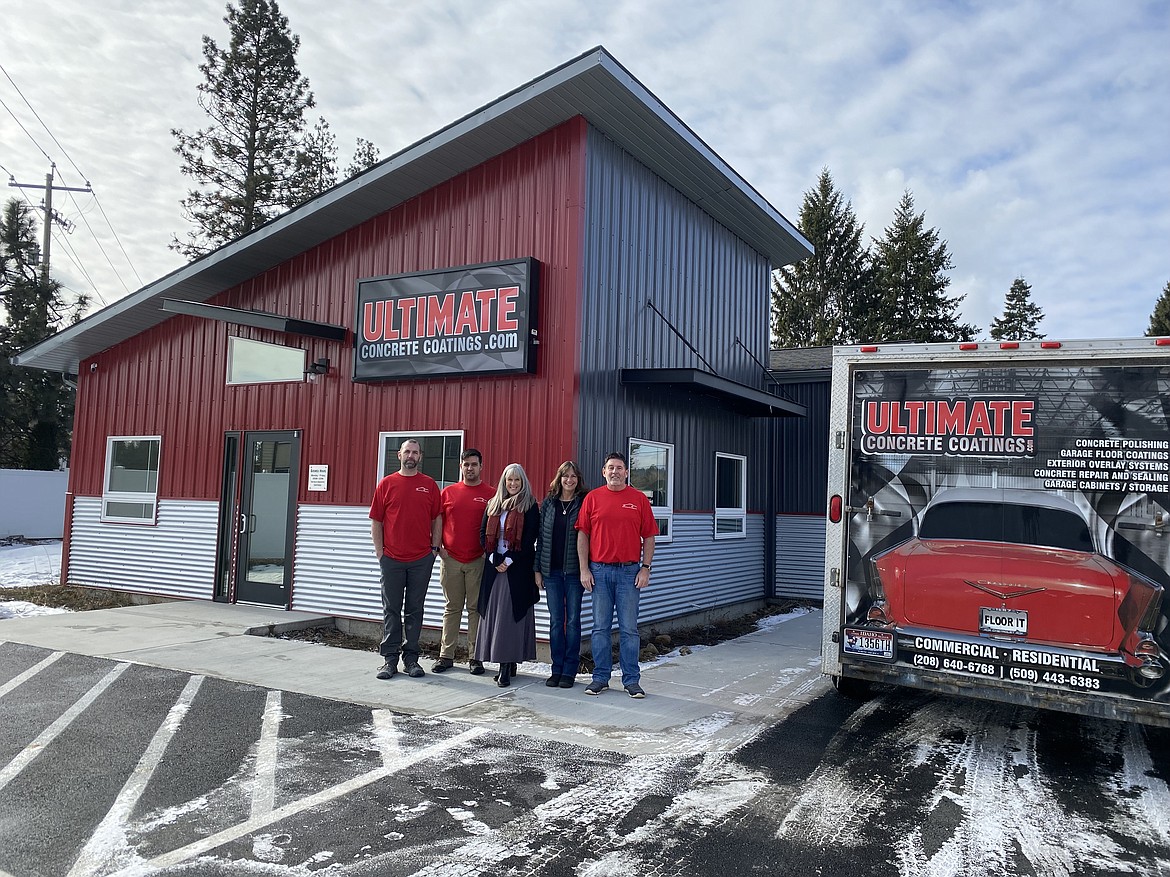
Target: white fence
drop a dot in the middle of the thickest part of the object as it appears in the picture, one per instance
(32, 503)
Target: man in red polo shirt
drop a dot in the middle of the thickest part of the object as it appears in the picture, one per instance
(463, 505)
(615, 544)
(405, 526)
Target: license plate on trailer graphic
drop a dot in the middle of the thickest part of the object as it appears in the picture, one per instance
(1013, 622)
(868, 643)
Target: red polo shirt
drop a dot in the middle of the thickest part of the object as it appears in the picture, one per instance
(463, 508)
(406, 505)
(616, 522)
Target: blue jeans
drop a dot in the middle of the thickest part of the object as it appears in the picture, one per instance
(404, 593)
(564, 621)
(613, 589)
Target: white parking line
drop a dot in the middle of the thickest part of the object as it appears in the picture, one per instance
(386, 735)
(109, 836)
(33, 749)
(27, 675)
(405, 759)
(264, 784)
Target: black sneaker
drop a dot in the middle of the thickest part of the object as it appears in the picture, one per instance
(567, 681)
(442, 665)
(553, 681)
(596, 687)
(634, 690)
(414, 671)
(387, 670)
(476, 668)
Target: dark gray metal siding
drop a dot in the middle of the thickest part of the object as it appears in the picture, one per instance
(645, 241)
(803, 444)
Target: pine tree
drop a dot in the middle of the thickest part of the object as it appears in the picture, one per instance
(248, 164)
(317, 161)
(1160, 318)
(36, 407)
(365, 156)
(812, 300)
(1021, 318)
(911, 302)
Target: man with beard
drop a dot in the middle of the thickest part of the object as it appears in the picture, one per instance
(406, 528)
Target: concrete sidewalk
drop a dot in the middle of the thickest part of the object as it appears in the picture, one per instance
(715, 698)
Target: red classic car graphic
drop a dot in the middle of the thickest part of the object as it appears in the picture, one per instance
(1023, 572)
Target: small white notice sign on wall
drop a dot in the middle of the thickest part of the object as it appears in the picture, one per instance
(318, 477)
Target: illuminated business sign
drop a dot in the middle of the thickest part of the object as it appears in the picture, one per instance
(472, 320)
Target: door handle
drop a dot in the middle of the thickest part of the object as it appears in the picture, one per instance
(243, 523)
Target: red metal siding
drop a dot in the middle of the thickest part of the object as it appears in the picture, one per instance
(170, 381)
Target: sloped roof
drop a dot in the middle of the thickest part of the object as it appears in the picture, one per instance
(593, 85)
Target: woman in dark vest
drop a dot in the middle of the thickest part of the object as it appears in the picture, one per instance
(507, 593)
(558, 572)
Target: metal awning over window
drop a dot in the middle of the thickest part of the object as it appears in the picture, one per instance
(731, 394)
(256, 319)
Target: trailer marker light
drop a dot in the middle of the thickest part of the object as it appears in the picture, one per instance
(968, 345)
(1162, 342)
(869, 348)
(1009, 345)
(835, 509)
(1050, 345)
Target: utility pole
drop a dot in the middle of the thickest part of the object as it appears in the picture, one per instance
(50, 217)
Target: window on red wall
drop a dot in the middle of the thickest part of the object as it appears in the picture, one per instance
(440, 453)
(130, 491)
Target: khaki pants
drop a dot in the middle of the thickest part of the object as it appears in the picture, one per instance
(460, 583)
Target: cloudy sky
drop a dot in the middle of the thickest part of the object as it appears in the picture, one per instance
(1035, 136)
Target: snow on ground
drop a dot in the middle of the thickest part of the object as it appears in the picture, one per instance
(23, 565)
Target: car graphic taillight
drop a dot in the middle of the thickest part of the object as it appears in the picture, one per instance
(879, 610)
(879, 613)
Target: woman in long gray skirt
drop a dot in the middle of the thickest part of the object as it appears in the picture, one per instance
(507, 592)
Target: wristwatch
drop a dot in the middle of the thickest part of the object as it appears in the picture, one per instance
(645, 566)
(435, 548)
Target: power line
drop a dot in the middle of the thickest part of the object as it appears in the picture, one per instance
(80, 212)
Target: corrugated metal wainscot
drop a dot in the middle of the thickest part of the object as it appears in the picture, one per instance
(174, 558)
(800, 556)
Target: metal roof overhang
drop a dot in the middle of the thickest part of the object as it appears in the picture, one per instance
(257, 319)
(594, 85)
(736, 396)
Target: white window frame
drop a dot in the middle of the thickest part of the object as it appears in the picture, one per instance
(664, 514)
(114, 496)
(388, 462)
(727, 514)
(297, 375)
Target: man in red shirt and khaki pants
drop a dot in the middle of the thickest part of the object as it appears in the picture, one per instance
(463, 505)
(615, 544)
(405, 526)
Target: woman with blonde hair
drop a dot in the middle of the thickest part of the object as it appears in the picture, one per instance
(507, 592)
(558, 572)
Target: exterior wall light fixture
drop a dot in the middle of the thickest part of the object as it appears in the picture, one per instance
(320, 367)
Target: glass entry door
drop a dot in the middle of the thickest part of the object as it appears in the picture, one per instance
(266, 520)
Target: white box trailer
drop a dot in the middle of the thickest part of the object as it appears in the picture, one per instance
(996, 522)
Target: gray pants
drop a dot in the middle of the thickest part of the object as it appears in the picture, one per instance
(404, 591)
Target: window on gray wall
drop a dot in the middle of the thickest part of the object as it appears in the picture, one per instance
(652, 472)
(730, 496)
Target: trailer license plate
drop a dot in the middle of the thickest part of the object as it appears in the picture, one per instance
(1010, 621)
(869, 643)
